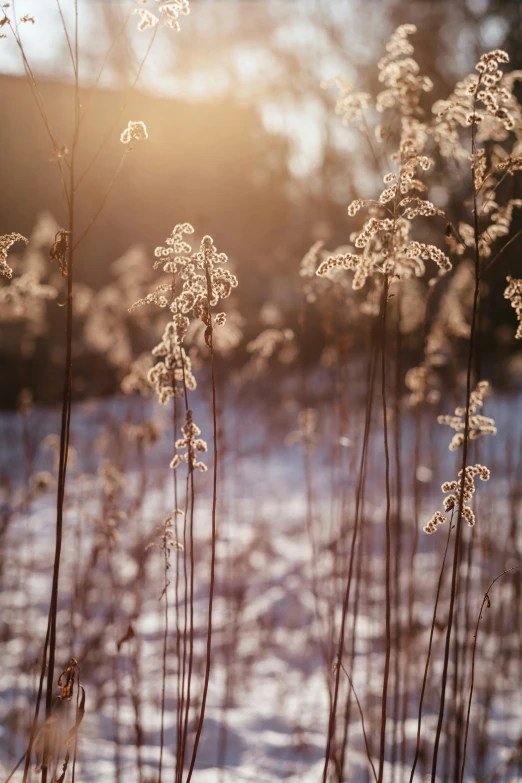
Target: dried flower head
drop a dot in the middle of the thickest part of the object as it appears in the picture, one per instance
(385, 239)
(499, 114)
(437, 519)
(192, 444)
(6, 242)
(204, 280)
(457, 489)
(173, 373)
(59, 250)
(311, 260)
(349, 104)
(135, 131)
(399, 72)
(175, 245)
(478, 424)
(66, 681)
(463, 238)
(513, 292)
(166, 14)
(137, 379)
(165, 540)
(19, 297)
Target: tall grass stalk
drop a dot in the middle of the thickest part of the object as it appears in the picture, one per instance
(348, 584)
(465, 447)
(208, 659)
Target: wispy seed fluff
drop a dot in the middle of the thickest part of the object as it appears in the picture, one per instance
(478, 424)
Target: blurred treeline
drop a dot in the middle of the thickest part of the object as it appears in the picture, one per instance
(244, 144)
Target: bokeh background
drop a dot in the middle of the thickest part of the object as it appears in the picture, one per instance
(243, 143)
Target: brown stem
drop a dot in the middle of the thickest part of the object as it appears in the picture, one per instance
(366, 742)
(388, 540)
(428, 658)
(213, 554)
(164, 655)
(456, 557)
(346, 599)
(66, 408)
(485, 600)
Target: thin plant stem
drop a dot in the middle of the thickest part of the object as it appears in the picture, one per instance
(458, 534)
(346, 598)
(388, 539)
(66, 408)
(104, 200)
(112, 128)
(428, 657)
(361, 714)
(485, 601)
(372, 366)
(398, 531)
(75, 752)
(164, 654)
(208, 661)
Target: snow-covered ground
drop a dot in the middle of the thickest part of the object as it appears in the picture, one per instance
(278, 596)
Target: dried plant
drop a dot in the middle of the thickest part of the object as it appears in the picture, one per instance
(476, 423)
(6, 242)
(513, 292)
(298, 579)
